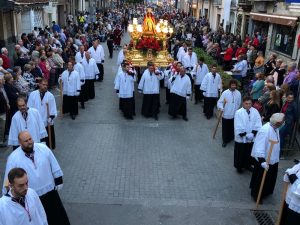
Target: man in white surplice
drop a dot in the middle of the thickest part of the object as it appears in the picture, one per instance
(211, 85)
(121, 55)
(44, 102)
(26, 119)
(260, 151)
(229, 103)
(124, 86)
(199, 72)
(21, 205)
(149, 85)
(247, 122)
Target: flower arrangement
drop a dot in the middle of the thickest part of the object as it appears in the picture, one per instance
(146, 43)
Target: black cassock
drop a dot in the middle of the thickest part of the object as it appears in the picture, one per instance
(83, 97)
(90, 89)
(227, 130)
(270, 181)
(151, 104)
(46, 139)
(70, 105)
(127, 106)
(177, 105)
(55, 211)
(242, 155)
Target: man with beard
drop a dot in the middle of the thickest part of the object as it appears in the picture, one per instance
(26, 119)
(44, 176)
(44, 102)
(21, 205)
(229, 103)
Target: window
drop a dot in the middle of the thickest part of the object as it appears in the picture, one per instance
(284, 39)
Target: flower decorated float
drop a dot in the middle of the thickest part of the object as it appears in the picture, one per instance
(149, 41)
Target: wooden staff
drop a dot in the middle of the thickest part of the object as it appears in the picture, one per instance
(219, 119)
(49, 128)
(285, 188)
(61, 98)
(265, 172)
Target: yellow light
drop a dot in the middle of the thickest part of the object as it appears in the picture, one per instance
(135, 21)
(130, 28)
(166, 22)
(161, 21)
(165, 30)
(139, 28)
(171, 30)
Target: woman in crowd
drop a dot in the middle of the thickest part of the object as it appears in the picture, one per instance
(259, 63)
(272, 106)
(257, 87)
(19, 82)
(29, 78)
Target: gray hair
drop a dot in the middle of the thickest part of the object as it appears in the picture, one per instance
(277, 118)
(3, 50)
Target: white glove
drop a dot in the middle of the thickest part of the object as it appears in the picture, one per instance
(265, 166)
(286, 178)
(289, 171)
(58, 187)
(50, 120)
(187, 97)
(140, 91)
(249, 136)
(97, 77)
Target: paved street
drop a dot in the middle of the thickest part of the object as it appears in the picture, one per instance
(147, 172)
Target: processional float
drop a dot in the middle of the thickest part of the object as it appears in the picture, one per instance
(149, 41)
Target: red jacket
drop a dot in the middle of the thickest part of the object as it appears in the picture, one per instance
(228, 54)
(240, 51)
(255, 42)
(6, 62)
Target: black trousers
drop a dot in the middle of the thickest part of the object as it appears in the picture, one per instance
(227, 130)
(127, 106)
(101, 71)
(198, 93)
(167, 95)
(177, 105)
(46, 139)
(270, 180)
(209, 104)
(90, 87)
(55, 211)
(70, 105)
(242, 155)
(150, 106)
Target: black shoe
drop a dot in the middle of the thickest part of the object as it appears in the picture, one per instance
(167, 103)
(250, 168)
(73, 117)
(185, 118)
(82, 106)
(224, 145)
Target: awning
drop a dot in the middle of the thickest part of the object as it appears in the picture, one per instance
(277, 19)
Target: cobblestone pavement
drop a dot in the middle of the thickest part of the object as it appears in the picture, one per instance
(147, 172)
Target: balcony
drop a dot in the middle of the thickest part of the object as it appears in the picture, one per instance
(246, 5)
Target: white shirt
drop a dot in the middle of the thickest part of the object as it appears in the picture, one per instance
(12, 213)
(97, 54)
(34, 101)
(233, 102)
(41, 173)
(211, 85)
(293, 193)
(33, 124)
(71, 83)
(125, 84)
(200, 72)
(181, 85)
(149, 82)
(79, 68)
(78, 57)
(244, 122)
(90, 69)
(189, 61)
(262, 145)
(181, 53)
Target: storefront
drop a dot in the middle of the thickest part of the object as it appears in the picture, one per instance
(282, 33)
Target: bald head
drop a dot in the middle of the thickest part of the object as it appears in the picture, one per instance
(25, 141)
